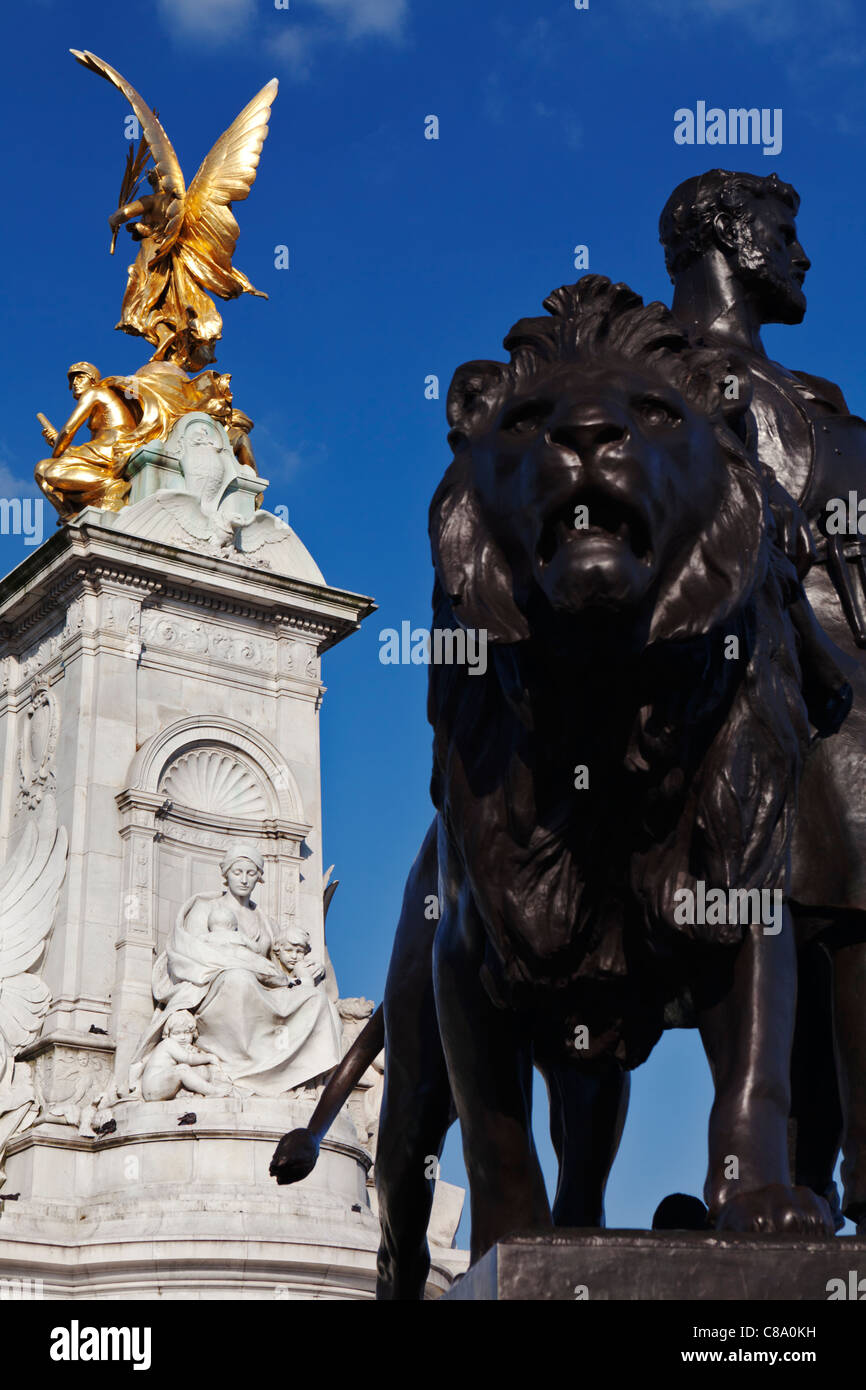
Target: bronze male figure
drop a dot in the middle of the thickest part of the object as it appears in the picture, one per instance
(736, 263)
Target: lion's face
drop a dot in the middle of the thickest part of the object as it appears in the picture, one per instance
(592, 481)
(601, 485)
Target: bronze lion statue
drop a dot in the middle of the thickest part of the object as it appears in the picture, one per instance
(615, 795)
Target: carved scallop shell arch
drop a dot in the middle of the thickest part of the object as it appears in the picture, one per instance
(244, 745)
(214, 781)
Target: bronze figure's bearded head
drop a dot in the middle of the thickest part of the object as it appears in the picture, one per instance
(748, 220)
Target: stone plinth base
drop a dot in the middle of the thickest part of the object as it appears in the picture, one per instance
(159, 1209)
(658, 1265)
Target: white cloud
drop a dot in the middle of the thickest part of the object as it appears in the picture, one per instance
(279, 461)
(383, 17)
(339, 21)
(294, 48)
(215, 21)
(765, 21)
(493, 104)
(13, 486)
(845, 56)
(499, 106)
(293, 35)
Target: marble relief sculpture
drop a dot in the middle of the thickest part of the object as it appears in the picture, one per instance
(261, 1015)
(30, 883)
(177, 1063)
(291, 950)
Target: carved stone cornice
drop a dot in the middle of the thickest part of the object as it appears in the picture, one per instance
(234, 827)
(83, 556)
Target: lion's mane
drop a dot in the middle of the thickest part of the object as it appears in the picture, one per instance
(702, 779)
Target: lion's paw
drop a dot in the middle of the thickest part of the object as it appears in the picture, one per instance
(776, 1210)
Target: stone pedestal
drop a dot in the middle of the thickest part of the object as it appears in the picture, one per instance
(166, 464)
(160, 686)
(664, 1265)
(176, 1202)
(170, 700)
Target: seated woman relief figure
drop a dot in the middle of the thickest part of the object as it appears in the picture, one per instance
(264, 1023)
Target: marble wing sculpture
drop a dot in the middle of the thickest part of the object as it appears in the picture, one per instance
(270, 537)
(177, 518)
(265, 540)
(30, 883)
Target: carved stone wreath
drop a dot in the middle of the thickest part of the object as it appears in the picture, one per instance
(38, 746)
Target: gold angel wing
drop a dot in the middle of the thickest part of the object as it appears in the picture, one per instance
(209, 232)
(165, 161)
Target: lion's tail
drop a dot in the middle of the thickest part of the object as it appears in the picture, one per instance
(296, 1154)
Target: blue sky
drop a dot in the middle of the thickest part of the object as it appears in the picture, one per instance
(407, 257)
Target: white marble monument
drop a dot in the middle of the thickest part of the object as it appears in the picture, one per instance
(167, 1004)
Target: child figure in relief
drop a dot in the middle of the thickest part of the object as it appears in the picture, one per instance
(222, 924)
(291, 949)
(176, 1062)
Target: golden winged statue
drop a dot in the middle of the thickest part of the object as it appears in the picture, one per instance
(187, 235)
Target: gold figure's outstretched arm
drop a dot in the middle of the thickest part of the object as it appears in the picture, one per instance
(137, 208)
(129, 212)
(209, 232)
(168, 170)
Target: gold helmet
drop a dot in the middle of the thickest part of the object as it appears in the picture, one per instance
(87, 368)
